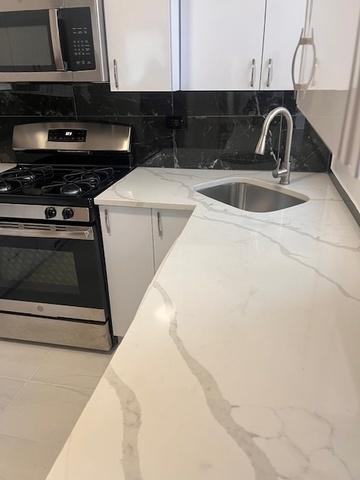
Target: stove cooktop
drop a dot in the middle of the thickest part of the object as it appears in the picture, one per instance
(57, 184)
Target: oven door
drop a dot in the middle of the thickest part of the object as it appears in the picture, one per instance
(52, 271)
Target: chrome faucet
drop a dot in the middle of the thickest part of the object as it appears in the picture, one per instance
(283, 167)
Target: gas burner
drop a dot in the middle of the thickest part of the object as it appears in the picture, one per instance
(94, 175)
(30, 176)
(76, 189)
(7, 186)
(57, 181)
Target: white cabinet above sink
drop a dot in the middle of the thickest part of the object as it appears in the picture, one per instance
(239, 45)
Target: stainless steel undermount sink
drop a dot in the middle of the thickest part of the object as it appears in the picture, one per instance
(252, 196)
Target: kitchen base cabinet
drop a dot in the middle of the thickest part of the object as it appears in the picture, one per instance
(128, 246)
(167, 226)
(136, 240)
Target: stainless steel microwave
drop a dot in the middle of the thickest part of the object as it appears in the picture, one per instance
(52, 41)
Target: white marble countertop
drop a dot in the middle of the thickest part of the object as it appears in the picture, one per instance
(6, 166)
(243, 361)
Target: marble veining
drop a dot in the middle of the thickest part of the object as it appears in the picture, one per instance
(291, 255)
(243, 359)
(218, 405)
(131, 425)
(219, 131)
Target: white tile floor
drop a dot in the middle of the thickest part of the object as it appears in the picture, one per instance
(43, 390)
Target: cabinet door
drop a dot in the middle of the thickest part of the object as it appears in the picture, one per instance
(333, 25)
(284, 21)
(128, 246)
(143, 44)
(221, 44)
(167, 226)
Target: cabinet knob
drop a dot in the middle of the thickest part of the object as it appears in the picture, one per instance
(253, 73)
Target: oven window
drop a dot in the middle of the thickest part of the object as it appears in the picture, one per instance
(42, 270)
(53, 271)
(25, 40)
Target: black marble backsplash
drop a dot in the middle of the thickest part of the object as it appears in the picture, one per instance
(181, 129)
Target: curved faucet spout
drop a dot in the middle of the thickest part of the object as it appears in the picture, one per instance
(284, 167)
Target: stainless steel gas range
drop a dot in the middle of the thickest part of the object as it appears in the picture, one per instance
(52, 273)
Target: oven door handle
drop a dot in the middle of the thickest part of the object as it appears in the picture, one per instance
(55, 40)
(46, 231)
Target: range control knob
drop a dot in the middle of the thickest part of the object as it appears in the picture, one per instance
(67, 213)
(50, 212)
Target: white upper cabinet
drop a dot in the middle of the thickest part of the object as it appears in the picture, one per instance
(143, 44)
(333, 25)
(239, 45)
(326, 67)
(221, 44)
(284, 21)
(326, 91)
(224, 45)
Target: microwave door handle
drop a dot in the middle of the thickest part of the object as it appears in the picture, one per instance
(55, 39)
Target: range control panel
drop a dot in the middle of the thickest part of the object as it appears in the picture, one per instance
(76, 24)
(67, 135)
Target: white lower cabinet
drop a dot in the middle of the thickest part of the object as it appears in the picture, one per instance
(167, 226)
(128, 246)
(136, 240)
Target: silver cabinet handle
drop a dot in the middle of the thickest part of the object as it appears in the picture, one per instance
(302, 42)
(253, 73)
(116, 74)
(269, 72)
(107, 222)
(55, 40)
(159, 223)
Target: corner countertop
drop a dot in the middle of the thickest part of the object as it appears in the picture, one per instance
(6, 166)
(243, 361)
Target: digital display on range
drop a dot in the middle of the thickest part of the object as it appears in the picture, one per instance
(67, 135)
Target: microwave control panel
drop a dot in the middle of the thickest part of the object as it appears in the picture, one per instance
(79, 48)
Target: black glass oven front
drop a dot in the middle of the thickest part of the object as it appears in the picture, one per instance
(59, 271)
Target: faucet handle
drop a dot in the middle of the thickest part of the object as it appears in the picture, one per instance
(279, 172)
(275, 172)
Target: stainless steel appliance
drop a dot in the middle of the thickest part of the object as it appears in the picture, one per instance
(52, 41)
(52, 271)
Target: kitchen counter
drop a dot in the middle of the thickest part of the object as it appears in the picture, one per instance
(243, 361)
(6, 166)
